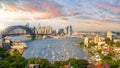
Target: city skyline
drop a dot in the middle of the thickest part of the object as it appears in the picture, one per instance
(83, 15)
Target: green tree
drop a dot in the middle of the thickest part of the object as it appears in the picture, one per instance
(114, 66)
(15, 52)
(91, 44)
(3, 53)
(106, 59)
(117, 62)
(81, 63)
(108, 41)
(117, 44)
(78, 63)
(44, 63)
(72, 62)
(13, 62)
(81, 43)
(57, 64)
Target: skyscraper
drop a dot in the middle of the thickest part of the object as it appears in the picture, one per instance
(37, 28)
(86, 41)
(109, 35)
(96, 39)
(49, 29)
(43, 30)
(65, 30)
(69, 30)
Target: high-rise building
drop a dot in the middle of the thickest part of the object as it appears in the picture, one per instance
(49, 29)
(57, 31)
(96, 39)
(65, 30)
(43, 30)
(37, 28)
(86, 41)
(27, 25)
(109, 35)
(69, 30)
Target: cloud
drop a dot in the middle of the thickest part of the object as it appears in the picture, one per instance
(9, 7)
(35, 9)
(63, 18)
(108, 6)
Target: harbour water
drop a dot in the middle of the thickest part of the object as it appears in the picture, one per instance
(55, 49)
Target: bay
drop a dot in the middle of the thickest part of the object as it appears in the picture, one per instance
(55, 49)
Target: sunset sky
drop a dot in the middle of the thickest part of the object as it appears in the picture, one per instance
(83, 15)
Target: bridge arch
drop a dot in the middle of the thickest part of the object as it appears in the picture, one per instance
(7, 30)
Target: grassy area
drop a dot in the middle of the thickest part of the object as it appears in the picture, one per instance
(2, 52)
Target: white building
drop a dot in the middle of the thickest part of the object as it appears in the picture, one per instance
(109, 35)
(86, 41)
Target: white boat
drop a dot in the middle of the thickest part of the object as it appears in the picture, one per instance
(43, 52)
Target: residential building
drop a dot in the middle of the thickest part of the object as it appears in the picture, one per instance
(69, 30)
(109, 35)
(86, 41)
(49, 30)
(7, 43)
(96, 39)
(32, 66)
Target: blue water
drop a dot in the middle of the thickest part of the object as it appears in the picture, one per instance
(55, 49)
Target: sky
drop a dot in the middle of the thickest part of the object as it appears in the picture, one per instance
(83, 15)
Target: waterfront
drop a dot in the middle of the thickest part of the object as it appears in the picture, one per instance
(55, 49)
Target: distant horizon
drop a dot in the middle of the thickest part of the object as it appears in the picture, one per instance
(83, 15)
(41, 25)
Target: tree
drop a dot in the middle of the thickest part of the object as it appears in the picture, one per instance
(2, 52)
(114, 66)
(44, 63)
(81, 63)
(13, 62)
(107, 59)
(81, 43)
(78, 63)
(72, 62)
(57, 64)
(117, 62)
(91, 44)
(15, 52)
(108, 41)
(117, 44)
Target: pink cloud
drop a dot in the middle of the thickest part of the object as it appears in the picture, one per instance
(29, 8)
(107, 6)
(10, 7)
(53, 10)
(36, 13)
(101, 22)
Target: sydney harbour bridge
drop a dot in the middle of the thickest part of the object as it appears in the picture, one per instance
(28, 30)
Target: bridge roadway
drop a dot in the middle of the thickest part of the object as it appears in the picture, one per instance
(29, 31)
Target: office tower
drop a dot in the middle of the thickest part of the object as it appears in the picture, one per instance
(65, 30)
(49, 29)
(43, 30)
(37, 28)
(86, 41)
(96, 39)
(57, 31)
(69, 30)
(109, 35)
